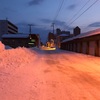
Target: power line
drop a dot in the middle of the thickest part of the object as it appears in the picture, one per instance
(83, 13)
(61, 4)
(59, 9)
(79, 10)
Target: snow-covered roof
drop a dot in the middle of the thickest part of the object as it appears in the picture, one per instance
(18, 35)
(87, 34)
(63, 35)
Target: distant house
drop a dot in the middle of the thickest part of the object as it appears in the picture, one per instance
(16, 40)
(86, 43)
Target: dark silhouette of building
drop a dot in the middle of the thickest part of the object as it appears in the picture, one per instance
(34, 40)
(58, 31)
(60, 36)
(76, 31)
(51, 36)
(6, 27)
(20, 40)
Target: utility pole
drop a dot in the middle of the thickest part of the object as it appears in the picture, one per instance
(6, 18)
(30, 31)
(30, 25)
(53, 27)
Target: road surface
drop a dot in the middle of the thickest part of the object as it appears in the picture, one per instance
(68, 76)
(55, 75)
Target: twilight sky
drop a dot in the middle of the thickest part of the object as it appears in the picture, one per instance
(42, 13)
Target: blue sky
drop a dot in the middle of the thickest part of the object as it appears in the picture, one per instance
(41, 13)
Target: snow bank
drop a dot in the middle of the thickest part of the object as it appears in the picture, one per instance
(14, 58)
(2, 47)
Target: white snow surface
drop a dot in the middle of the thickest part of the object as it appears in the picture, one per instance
(63, 35)
(33, 74)
(2, 47)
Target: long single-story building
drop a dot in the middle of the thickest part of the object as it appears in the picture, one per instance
(22, 40)
(86, 43)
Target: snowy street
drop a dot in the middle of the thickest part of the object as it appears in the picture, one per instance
(33, 74)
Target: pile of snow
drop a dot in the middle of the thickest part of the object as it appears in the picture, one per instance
(12, 58)
(2, 47)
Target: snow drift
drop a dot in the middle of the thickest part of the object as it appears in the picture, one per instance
(11, 58)
(2, 47)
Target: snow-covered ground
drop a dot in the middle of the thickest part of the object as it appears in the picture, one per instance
(33, 74)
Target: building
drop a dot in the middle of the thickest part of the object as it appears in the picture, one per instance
(51, 36)
(6, 27)
(34, 40)
(86, 43)
(58, 31)
(76, 31)
(20, 40)
(60, 38)
(61, 35)
(51, 40)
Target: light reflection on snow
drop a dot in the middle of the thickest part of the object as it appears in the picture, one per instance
(47, 48)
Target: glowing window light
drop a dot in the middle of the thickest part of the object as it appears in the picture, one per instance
(30, 43)
(32, 40)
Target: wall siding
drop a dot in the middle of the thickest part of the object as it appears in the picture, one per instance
(86, 45)
(92, 46)
(99, 48)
